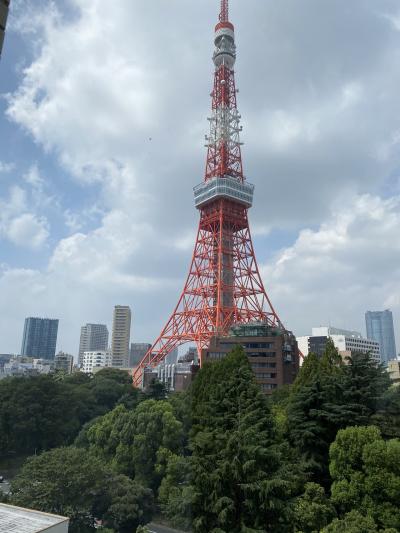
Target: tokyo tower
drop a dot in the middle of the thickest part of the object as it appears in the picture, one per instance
(224, 286)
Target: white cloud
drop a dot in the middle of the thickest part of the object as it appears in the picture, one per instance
(18, 223)
(121, 100)
(33, 177)
(27, 230)
(6, 167)
(350, 264)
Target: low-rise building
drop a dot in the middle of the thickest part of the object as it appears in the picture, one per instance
(176, 377)
(346, 342)
(94, 361)
(393, 369)
(63, 362)
(19, 520)
(19, 365)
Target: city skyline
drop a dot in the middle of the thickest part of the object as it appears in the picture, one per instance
(82, 212)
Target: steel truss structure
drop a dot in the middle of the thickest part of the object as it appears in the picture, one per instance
(224, 285)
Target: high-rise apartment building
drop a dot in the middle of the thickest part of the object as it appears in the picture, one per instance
(40, 337)
(379, 326)
(94, 337)
(121, 335)
(4, 4)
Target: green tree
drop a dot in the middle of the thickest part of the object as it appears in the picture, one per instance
(240, 481)
(366, 475)
(36, 413)
(353, 522)
(316, 411)
(387, 417)
(313, 510)
(132, 505)
(131, 440)
(65, 481)
(176, 493)
(156, 390)
(364, 384)
(327, 396)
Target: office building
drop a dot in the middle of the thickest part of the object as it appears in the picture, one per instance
(63, 362)
(19, 520)
(94, 337)
(379, 326)
(4, 5)
(121, 336)
(137, 352)
(95, 361)
(39, 337)
(346, 342)
(273, 353)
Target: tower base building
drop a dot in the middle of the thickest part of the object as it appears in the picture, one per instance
(272, 352)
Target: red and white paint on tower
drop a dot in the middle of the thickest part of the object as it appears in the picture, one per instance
(224, 286)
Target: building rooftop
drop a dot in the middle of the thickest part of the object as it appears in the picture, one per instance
(20, 520)
(326, 331)
(255, 329)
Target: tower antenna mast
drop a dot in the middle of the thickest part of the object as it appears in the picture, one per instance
(224, 15)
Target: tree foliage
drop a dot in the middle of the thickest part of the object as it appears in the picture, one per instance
(239, 478)
(217, 458)
(131, 440)
(366, 475)
(72, 482)
(329, 395)
(65, 481)
(131, 506)
(313, 509)
(40, 412)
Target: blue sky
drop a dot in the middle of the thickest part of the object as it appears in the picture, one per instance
(93, 213)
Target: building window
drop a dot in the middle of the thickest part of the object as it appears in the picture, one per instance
(263, 365)
(265, 375)
(268, 386)
(261, 354)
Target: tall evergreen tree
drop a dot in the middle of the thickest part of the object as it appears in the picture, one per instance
(240, 481)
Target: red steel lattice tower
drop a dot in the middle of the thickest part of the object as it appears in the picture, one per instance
(224, 285)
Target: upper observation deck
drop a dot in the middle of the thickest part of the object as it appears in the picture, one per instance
(226, 187)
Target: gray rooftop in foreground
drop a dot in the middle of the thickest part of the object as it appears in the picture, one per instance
(19, 520)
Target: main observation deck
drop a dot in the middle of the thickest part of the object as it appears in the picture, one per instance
(227, 187)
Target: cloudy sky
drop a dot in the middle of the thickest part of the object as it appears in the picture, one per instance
(103, 110)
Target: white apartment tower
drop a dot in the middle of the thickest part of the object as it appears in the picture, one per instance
(94, 337)
(121, 335)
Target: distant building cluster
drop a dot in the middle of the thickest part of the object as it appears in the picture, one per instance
(274, 354)
(346, 342)
(379, 342)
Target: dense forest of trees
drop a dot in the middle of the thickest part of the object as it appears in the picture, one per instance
(320, 456)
